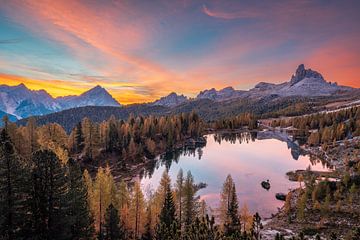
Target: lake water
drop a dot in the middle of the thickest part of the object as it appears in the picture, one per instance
(248, 159)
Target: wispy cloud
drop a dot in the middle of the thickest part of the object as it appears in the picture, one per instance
(131, 48)
(230, 15)
(10, 41)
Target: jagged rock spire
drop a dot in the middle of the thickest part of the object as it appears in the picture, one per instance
(302, 73)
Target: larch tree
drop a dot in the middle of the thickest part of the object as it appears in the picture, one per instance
(246, 218)
(179, 195)
(104, 195)
(123, 203)
(225, 199)
(189, 202)
(137, 211)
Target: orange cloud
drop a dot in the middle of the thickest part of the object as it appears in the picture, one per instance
(124, 93)
(120, 37)
(53, 87)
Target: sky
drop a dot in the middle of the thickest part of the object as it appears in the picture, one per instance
(142, 50)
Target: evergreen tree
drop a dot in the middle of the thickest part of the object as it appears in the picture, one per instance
(204, 229)
(79, 138)
(233, 227)
(13, 191)
(167, 228)
(168, 212)
(50, 218)
(82, 223)
(256, 227)
(114, 229)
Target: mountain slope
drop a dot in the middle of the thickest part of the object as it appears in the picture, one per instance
(12, 118)
(221, 95)
(304, 83)
(70, 117)
(170, 100)
(22, 102)
(96, 96)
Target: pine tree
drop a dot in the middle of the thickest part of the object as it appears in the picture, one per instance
(233, 227)
(82, 223)
(168, 212)
(13, 191)
(114, 229)
(167, 227)
(49, 197)
(204, 229)
(79, 138)
(256, 227)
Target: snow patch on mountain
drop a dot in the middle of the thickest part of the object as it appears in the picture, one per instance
(96, 96)
(221, 95)
(171, 100)
(22, 102)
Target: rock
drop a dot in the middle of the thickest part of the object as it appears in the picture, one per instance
(171, 100)
(302, 73)
(221, 95)
(280, 196)
(266, 185)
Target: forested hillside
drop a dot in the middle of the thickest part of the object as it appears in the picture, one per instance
(207, 109)
(324, 128)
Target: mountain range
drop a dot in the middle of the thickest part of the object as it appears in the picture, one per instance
(304, 82)
(20, 102)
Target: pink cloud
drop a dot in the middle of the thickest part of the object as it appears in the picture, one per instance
(229, 15)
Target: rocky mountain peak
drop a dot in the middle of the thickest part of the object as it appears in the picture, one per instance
(302, 73)
(170, 100)
(96, 90)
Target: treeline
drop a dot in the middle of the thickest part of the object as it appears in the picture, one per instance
(120, 142)
(49, 199)
(42, 198)
(248, 120)
(324, 128)
(330, 200)
(130, 141)
(173, 211)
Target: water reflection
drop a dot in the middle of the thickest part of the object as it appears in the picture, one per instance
(249, 157)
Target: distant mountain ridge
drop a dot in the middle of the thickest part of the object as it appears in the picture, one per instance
(21, 102)
(304, 83)
(170, 100)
